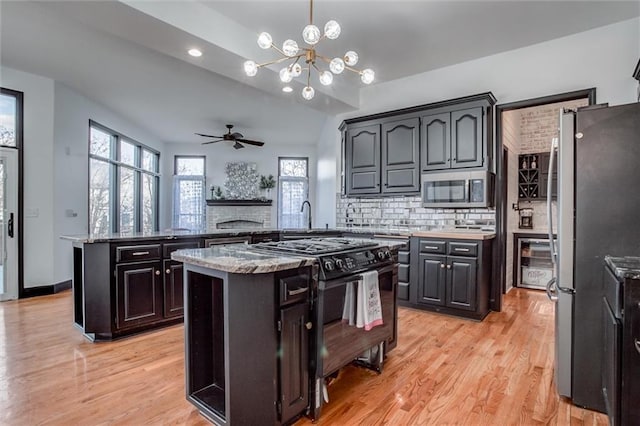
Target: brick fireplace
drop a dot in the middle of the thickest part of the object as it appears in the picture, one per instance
(234, 214)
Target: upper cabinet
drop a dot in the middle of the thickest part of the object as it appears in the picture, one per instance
(386, 153)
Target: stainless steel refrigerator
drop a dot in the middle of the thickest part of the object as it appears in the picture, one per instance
(598, 175)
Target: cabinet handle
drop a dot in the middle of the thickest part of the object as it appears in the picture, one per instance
(637, 344)
(157, 272)
(461, 249)
(168, 271)
(309, 325)
(298, 291)
(430, 247)
(139, 253)
(448, 266)
(442, 265)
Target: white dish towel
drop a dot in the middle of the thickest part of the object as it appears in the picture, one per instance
(368, 305)
(348, 309)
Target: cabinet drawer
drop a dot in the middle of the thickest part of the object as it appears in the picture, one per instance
(169, 248)
(403, 257)
(295, 288)
(136, 253)
(430, 246)
(463, 249)
(403, 273)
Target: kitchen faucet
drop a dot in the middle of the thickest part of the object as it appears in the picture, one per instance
(302, 209)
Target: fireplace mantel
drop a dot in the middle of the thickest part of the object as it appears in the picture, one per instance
(225, 202)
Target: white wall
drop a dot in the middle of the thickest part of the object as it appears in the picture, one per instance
(38, 173)
(71, 166)
(218, 154)
(603, 58)
(328, 185)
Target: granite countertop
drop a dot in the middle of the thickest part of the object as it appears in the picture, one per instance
(236, 258)
(624, 267)
(458, 234)
(162, 235)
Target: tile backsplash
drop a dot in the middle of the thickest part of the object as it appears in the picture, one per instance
(404, 212)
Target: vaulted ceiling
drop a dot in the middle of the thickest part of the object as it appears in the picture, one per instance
(132, 55)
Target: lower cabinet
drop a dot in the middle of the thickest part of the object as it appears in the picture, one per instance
(294, 360)
(139, 294)
(451, 276)
(173, 288)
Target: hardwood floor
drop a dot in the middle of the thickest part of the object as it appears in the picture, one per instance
(444, 371)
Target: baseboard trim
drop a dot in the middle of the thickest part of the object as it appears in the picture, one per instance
(45, 290)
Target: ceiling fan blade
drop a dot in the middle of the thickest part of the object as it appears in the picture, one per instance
(219, 140)
(250, 142)
(237, 145)
(208, 136)
(237, 135)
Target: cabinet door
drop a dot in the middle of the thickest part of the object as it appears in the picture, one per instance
(401, 156)
(294, 360)
(138, 293)
(461, 283)
(363, 160)
(431, 283)
(466, 138)
(435, 142)
(611, 356)
(173, 289)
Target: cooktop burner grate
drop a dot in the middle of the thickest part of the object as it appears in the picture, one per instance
(316, 246)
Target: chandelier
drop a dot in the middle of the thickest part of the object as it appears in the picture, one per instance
(309, 56)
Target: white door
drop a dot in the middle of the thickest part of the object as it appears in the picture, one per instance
(8, 223)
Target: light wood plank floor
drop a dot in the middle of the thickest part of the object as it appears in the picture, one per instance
(444, 371)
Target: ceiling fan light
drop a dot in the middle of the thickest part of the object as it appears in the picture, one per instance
(250, 68)
(332, 30)
(295, 70)
(336, 65)
(308, 93)
(285, 75)
(311, 34)
(326, 78)
(264, 40)
(367, 76)
(290, 48)
(351, 58)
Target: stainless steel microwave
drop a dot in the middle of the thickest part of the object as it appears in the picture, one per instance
(458, 189)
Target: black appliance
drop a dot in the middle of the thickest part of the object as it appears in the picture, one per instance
(334, 343)
(621, 333)
(598, 205)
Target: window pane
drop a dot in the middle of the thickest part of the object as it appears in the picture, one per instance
(292, 194)
(148, 202)
(99, 196)
(191, 166)
(100, 143)
(127, 206)
(8, 115)
(149, 161)
(293, 167)
(189, 204)
(127, 153)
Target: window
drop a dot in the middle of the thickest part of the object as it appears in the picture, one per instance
(189, 193)
(123, 183)
(293, 190)
(8, 119)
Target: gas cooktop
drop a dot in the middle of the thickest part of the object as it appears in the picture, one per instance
(316, 246)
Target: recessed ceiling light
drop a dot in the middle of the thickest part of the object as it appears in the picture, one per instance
(195, 52)
(287, 89)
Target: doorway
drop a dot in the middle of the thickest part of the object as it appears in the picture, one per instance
(8, 224)
(510, 120)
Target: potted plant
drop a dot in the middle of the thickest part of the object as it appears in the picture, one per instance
(266, 184)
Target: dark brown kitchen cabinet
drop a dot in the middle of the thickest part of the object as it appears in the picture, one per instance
(138, 293)
(401, 155)
(467, 138)
(294, 360)
(435, 144)
(363, 159)
(451, 276)
(173, 279)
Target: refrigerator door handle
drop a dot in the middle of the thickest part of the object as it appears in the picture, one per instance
(552, 245)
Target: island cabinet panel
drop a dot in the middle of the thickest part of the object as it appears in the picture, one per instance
(451, 276)
(294, 361)
(401, 155)
(363, 159)
(139, 293)
(173, 278)
(466, 138)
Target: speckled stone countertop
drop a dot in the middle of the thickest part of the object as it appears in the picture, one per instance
(627, 267)
(458, 234)
(239, 259)
(162, 235)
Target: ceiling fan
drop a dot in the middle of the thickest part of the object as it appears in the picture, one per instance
(236, 137)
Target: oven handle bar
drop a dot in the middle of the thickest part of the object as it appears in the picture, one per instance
(325, 285)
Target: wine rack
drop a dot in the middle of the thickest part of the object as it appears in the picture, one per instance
(528, 176)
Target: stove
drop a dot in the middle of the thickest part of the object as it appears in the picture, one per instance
(337, 257)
